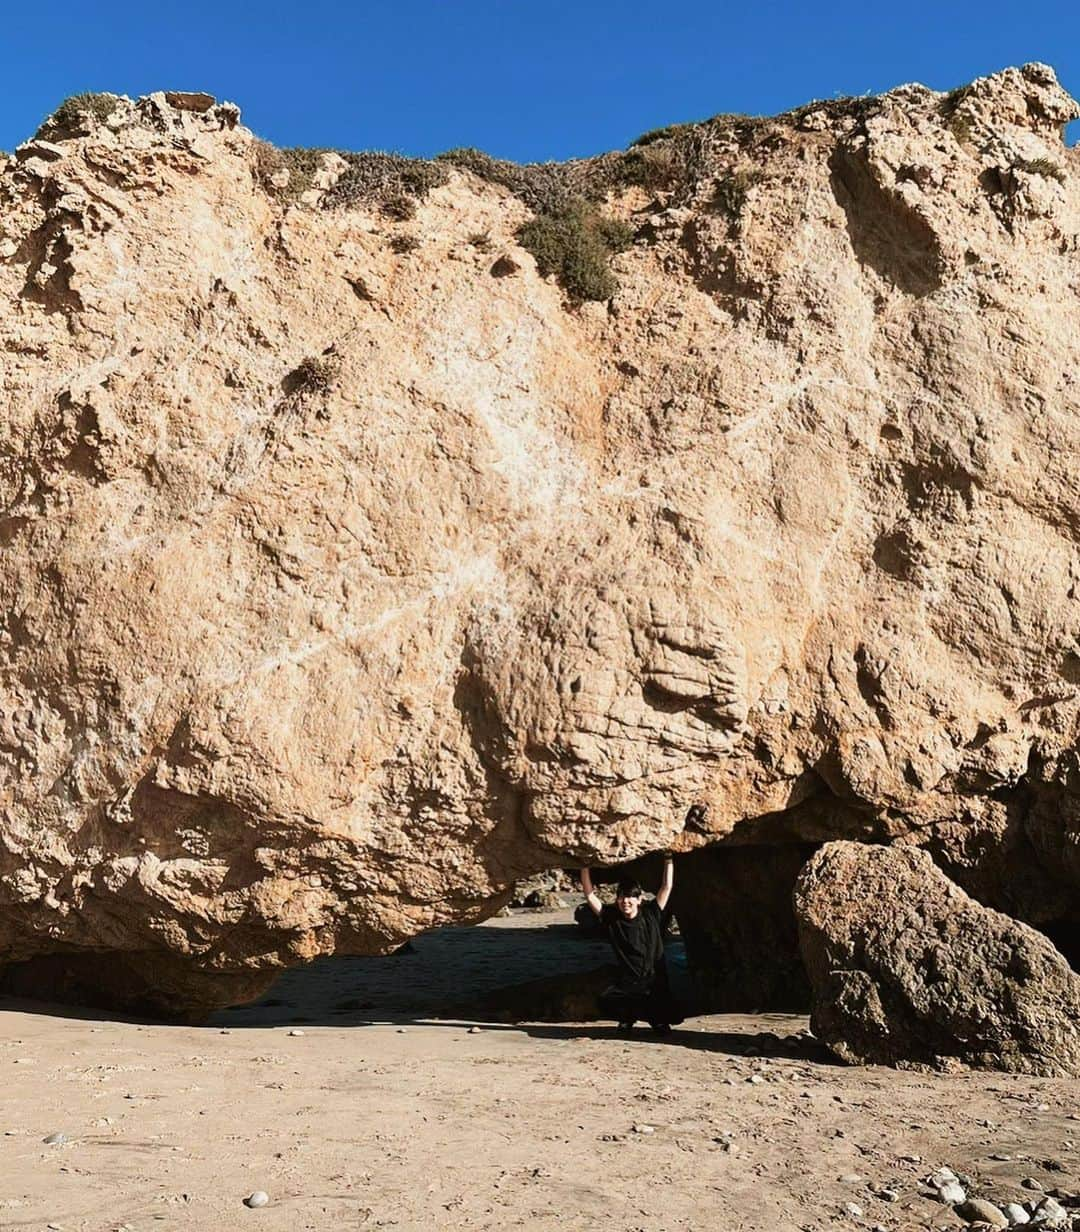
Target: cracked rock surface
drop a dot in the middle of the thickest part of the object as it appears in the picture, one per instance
(345, 581)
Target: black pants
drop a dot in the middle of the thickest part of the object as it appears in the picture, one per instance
(649, 1000)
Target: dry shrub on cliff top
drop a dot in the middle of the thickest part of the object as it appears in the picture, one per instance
(376, 178)
(576, 243)
(286, 173)
(74, 110)
(669, 159)
(545, 188)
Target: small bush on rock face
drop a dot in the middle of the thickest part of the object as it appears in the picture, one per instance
(1043, 167)
(731, 192)
(960, 122)
(402, 244)
(399, 207)
(315, 374)
(72, 111)
(576, 243)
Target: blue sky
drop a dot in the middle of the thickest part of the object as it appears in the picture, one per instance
(538, 80)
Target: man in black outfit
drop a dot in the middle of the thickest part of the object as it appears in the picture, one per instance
(635, 927)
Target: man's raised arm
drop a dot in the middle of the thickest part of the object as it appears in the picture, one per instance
(664, 893)
(591, 896)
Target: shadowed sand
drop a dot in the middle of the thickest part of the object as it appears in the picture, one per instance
(382, 1114)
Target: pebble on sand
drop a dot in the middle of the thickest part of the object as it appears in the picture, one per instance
(296, 1031)
(644, 1129)
(259, 1198)
(54, 1139)
(474, 1030)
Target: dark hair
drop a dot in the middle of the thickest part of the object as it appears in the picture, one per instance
(628, 888)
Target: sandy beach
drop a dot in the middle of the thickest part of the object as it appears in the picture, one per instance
(353, 1104)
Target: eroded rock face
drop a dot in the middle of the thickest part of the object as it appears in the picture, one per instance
(300, 657)
(906, 968)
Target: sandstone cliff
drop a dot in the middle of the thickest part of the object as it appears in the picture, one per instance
(352, 568)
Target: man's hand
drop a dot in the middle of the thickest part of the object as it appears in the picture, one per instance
(664, 893)
(591, 896)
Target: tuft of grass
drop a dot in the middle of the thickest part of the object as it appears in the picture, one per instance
(576, 243)
(405, 243)
(315, 374)
(1041, 166)
(75, 110)
(481, 241)
(661, 134)
(731, 192)
(657, 166)
(300, 162)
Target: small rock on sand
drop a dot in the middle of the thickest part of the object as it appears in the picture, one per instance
(296, 1031)
(1050, 1214)
(1015, 1214)
(952, 1193)
(259, 1198)
(978, 1210)
(54, 1139)
(644, 1129)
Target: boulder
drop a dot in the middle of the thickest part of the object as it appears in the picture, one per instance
(346, 583)
(906, 969)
